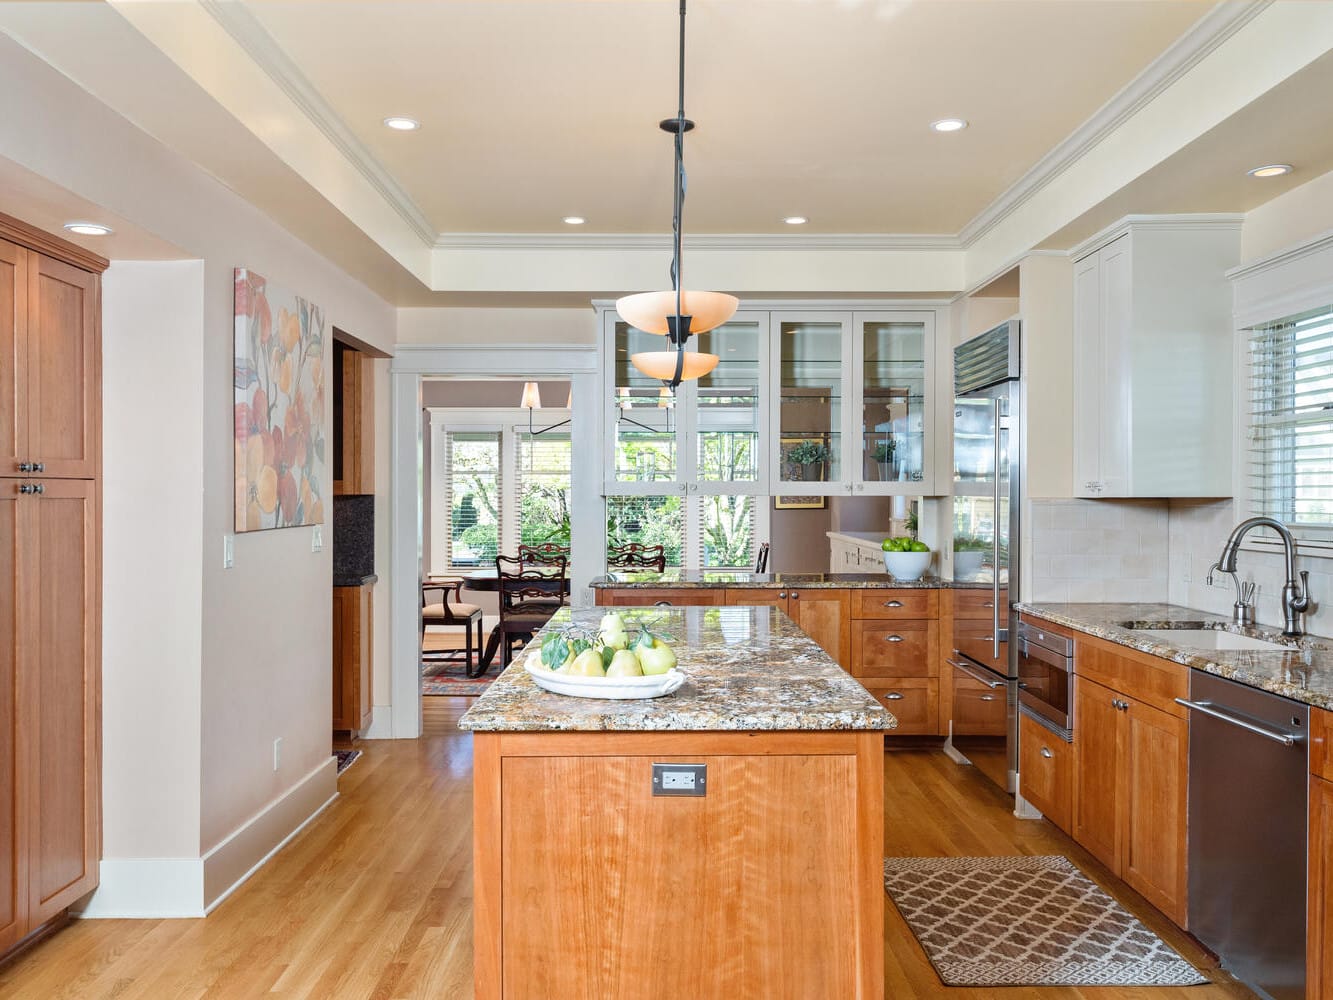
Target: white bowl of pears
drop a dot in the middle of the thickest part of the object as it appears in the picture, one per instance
(608, 663)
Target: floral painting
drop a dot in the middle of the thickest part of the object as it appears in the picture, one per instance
(279, 413)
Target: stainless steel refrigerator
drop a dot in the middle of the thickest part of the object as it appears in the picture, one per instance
(986, 510)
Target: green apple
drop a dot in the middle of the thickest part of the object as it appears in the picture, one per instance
(624, 664)
(919, 547)
(587, 664)
(657, 658)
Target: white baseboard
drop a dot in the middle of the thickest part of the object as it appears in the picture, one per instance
(145, 888)
(247, 848)
(381, 723)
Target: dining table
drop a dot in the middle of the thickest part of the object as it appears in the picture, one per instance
(488, 581)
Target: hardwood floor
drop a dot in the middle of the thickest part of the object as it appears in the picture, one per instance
(374, 899)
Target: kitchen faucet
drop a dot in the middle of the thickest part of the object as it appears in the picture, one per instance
(1295, 594)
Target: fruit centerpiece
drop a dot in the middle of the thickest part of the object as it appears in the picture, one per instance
(608, 662)
(905, 558)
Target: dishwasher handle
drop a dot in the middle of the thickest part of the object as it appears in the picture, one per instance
(1208, 708)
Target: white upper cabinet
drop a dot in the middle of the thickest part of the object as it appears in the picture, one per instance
(1153, 390)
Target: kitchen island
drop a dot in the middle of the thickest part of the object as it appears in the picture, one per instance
(770, 884)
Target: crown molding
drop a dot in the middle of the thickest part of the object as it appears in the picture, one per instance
(1315, 245)
(1206, 35)
(259, 45)
(817, 304)
(1178, 223)
(747, 242)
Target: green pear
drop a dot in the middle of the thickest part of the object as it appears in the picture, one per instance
(616, 638)
(624, 664)
(612, 622)
(587, 664)
(657, 659)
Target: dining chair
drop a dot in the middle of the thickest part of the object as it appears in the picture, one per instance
(636, 556)
(547, 555)
(761, 564)
(445, 612)
(529, 595)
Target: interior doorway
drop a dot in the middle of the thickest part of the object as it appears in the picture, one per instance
(417, 374)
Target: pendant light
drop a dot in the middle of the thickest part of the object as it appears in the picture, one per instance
(676, 313)
(532, 400)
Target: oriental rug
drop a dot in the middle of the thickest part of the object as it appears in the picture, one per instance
(447, 677)
(1027, 921)
(346, 758)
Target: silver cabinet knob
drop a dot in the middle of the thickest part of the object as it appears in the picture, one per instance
(27, 488)
(782, 594)
(38, 466)
(25, 467)
(795, 596)
(1046, 752)
(39, 488)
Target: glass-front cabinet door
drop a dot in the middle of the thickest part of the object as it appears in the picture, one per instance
(811, 359)
(645, 454)
(893, 429)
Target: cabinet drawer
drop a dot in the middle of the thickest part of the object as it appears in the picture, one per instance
(914, 702)
(675, 596)
(893, 649)
(1150, 679)
(1046, 771)
(876, 603)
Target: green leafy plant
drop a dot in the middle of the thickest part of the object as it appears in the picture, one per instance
(884, 452)
(970, 543)
(807, 453)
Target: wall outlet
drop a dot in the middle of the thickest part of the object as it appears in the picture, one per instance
(228, 551)
(277, 752)
(317, 539)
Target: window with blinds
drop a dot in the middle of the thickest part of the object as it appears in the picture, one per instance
(726, 532)
(472, 497)
(543, 488)
(1291, 431)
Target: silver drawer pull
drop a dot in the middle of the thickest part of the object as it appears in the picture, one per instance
(893, 638)
(893, 604)
(988, 604)
(662, 604)
(986, 697)
(1046, 752)
(893, 696)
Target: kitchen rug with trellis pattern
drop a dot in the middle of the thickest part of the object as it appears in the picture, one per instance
(1027, 921)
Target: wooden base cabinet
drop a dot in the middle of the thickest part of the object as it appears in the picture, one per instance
(823, 615)
(676, 597)
(1130, 799)
(1319, 894)
(352, 651)
(1046, 764)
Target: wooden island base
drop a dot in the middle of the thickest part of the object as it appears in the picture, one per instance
(769, 886)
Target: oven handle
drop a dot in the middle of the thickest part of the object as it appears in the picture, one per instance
(976, 676)
(1207, 708)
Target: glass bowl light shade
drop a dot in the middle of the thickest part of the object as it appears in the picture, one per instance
(648, 311)
(662, 364)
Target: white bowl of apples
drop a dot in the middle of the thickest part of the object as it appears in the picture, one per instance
(609, 664)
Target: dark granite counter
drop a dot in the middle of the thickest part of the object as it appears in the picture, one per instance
(747, 669)
(354, 581)
(763, 581)
(1303, 671)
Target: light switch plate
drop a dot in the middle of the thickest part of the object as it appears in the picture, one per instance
(228, 551)
(680, 779)
(317, 539)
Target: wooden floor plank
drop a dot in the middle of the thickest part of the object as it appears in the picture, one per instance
(374, 900)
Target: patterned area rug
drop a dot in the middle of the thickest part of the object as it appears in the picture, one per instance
(346, 758)
(447, 677)
(1026, 921)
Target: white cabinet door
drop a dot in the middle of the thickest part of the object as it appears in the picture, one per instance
(1088, 406)
(1116, 368)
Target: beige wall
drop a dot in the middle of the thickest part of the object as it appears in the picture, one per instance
(497, 326)
(265, 630)
(1046, 301)
(1292, 218)
(152, 603)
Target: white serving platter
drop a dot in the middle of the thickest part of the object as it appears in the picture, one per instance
(614, 688)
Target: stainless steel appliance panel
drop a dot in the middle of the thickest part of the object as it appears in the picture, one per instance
(1045, 667)
(1248, 775)
(984, 721)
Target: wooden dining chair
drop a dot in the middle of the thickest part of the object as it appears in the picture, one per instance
(451, 612)
(636, 556)
(529, 595)
(547, 555)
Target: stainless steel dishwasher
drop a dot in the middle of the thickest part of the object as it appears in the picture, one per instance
(1248, 778)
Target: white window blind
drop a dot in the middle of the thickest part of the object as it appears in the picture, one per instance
(472, 497)
(542, 484)
(1291, 420)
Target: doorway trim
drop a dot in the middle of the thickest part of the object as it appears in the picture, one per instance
(411, 363)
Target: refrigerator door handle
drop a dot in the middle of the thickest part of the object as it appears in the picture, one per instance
(995, 544)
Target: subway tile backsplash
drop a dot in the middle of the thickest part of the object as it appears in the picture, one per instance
(1099, 550)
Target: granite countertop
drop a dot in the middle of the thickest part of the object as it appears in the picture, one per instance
(747, 669)
(354, 580)
(1303, 672)
(764, 581)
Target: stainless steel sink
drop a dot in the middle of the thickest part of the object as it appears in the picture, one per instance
(1189, 635)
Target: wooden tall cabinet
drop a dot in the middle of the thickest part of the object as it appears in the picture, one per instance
(50, 565)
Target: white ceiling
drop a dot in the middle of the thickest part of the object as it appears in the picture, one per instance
(532, 111)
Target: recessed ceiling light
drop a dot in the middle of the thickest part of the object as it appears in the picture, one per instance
(796, 220)
(1271, 170)
(949, 125)
(399, 123)
(88, 228)
(574, 220)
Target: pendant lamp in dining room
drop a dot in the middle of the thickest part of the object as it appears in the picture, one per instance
(676, 313)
